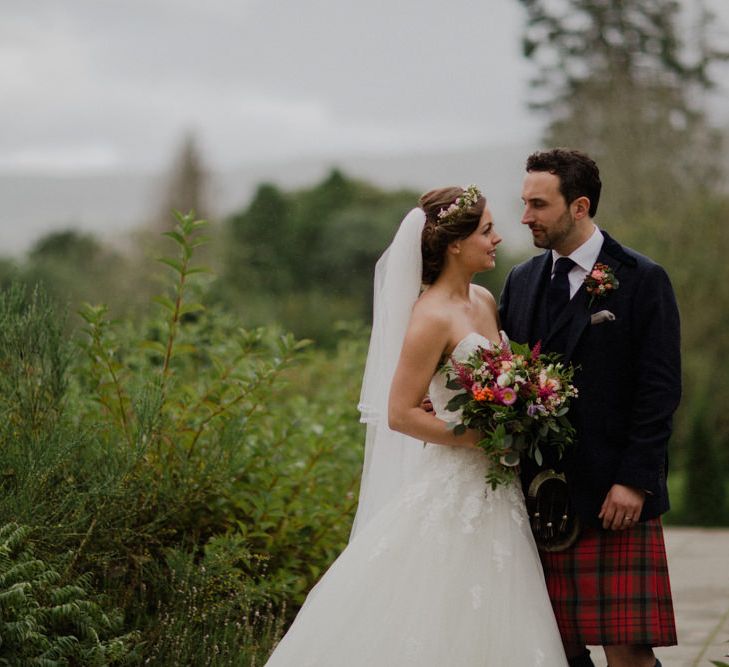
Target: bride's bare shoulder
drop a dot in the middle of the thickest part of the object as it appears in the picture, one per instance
(482, 294)
(430, 311)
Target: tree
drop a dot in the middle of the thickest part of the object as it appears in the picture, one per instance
(305, 259)
(67, 246)
(187, 184)
(75, 267)
(616, 79)
(260, 242)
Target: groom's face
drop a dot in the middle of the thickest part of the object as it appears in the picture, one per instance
(546, 212)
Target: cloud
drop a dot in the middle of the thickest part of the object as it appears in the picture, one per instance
(63, 158)
(97, 83)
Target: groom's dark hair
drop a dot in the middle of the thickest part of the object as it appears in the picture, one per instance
(578, 174)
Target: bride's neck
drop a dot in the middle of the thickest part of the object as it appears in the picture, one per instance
(455, 284)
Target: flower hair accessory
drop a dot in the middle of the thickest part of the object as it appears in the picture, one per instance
(470, 196)
(600, 282)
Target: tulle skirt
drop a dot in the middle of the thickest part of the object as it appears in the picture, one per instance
(446, 575)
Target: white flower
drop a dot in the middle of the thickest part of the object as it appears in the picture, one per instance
(504, 380)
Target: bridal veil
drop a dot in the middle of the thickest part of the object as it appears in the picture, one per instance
(391, 459)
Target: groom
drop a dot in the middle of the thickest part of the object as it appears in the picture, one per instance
(618, 324)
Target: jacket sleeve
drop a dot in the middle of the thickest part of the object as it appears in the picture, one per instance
(656, 378)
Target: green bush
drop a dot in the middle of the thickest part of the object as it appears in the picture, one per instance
(46, 622)
(705, 502)
(181, 438)
(211, 617)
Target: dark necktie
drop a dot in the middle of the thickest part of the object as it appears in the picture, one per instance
(558, 295)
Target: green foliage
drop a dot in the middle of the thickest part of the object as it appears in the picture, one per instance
(33, 361)
(8, 273)
(48, 623)
(210, 617)
(306, 259)
(72, 266)
(706, 489)
(181, 438)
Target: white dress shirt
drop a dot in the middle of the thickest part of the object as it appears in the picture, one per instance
(584, 258)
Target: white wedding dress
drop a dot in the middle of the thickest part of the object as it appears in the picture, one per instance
(445, 575)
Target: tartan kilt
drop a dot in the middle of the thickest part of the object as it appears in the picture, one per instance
(612, 588)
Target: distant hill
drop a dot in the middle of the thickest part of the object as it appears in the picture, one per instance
(112, 204)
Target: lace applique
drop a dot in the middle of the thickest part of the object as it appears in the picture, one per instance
(517, 516)
(499, 555)
(446, 491)
(470, 510)
(477, 597)
(414, 493)
(413, 649)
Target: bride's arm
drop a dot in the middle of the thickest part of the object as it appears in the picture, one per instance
(425, 342)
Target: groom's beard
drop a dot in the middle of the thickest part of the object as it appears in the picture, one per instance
(553, 236)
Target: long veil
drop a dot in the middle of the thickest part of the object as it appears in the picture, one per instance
(391, 459)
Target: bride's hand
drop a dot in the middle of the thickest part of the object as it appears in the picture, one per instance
(471, 438)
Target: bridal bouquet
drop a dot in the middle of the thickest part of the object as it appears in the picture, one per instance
(518, 398)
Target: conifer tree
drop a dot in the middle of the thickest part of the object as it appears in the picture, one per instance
(623, 81)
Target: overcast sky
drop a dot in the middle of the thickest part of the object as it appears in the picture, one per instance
(92, 84)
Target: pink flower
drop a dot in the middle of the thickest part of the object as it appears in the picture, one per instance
(545, 392)
(508, 396)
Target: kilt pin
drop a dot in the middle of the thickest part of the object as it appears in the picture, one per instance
(610, 587)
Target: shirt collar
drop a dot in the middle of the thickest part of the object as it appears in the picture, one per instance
(586, 255)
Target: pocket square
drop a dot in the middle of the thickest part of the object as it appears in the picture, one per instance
(602, 316)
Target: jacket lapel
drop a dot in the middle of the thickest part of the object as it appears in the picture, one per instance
(538, 275)
(576, 314)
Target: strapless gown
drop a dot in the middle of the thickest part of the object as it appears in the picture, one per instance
(445, 575)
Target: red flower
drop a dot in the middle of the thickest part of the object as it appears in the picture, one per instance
(600, 280)
(464, 375)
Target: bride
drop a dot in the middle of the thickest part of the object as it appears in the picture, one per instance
(439, 571)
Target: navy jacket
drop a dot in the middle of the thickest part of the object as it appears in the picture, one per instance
(628, 374)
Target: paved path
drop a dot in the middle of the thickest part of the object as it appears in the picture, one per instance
(698, 561)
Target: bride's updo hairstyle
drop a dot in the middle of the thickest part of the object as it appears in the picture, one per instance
(451, 214)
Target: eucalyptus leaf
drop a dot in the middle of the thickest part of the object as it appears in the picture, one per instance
(458, 401)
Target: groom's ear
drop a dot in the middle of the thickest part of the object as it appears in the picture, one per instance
(580, 208)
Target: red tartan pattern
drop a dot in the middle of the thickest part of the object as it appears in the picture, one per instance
(612, 588)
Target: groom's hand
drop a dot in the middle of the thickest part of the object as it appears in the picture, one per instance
(622, 507)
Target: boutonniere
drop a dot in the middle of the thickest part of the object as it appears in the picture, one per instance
(600, 282)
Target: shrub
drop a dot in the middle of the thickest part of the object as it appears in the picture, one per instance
(49, 623)
(183, 439)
